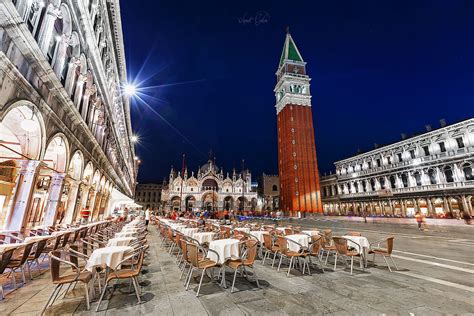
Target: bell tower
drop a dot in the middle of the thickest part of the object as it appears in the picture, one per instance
(297, 163)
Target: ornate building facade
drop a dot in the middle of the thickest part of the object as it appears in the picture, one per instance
(431, 173)
(269, 192)
(148, 195)
(210, 190)
(64, 124)
(297, 163)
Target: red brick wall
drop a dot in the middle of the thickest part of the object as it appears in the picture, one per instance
(295, 122)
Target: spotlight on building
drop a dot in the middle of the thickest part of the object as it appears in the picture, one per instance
(134, 138)
(136, 158)
(129, 89)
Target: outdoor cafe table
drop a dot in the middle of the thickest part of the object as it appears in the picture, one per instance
(258, 234)
(189, 231)
(125, 234)
(119, 241)
(5, 247)
(300, 239)
(355, 242)
(108, 256)
(36, 238)
(226, 248)
(204, 237)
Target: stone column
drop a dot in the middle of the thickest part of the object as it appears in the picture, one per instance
(411, 180)
(61, 55)
(425, 179)
(403, 208)
(91, 202)
(447, 206)
(399, 182)
(429, 205)
(79, 89)
(84, 190)
(47, 25)
(54, 196)
(22, 197)
(72, 201)
(458, 174)
(465, 206)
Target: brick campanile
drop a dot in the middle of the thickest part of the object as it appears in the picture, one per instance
(297, 163)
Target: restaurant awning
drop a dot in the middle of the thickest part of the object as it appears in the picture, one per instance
(120, 200)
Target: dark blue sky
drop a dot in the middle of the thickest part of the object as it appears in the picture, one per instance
(378, 68)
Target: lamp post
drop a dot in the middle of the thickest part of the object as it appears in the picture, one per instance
(181, 190)
(243, 187)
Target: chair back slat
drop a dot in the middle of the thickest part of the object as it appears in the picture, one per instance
(6, 256)
(193, 253)
(390, 245)
(341, 245)
(282, 244)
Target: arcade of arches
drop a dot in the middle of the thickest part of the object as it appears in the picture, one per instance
(436, 207)
(42, 181)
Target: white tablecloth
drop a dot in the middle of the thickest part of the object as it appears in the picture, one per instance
(258, 234)
(36, 238)
(125, 234)
(226, 248)
(243, 229)
(299, 238)
(130, 229)
(5, 247)
(120, 241)
(362, 241)
(189, 231)
(204, 237)
(108, 256)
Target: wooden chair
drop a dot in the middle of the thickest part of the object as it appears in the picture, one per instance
(285, 252)
(60, 280)
(4, 261)
(247, 259)
(385, 253)
(198, 264)
(315, 250)
(128, 272)
(40, 245)
(342, 249)
(20, 262)
(270, 248)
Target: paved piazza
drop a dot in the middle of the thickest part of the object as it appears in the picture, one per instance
(435, 277)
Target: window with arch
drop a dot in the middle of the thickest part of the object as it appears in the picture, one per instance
(417, 178)
(393, 182)
(432, 176)
(55, 40)
(467, 169)
(372, 184)
(448, 174)
(405, 180)
(274, 188)
(33, 17)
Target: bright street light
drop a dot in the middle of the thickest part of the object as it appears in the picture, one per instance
(129, 89)
(134, 138)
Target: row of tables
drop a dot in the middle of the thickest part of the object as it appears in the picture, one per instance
(229, 248)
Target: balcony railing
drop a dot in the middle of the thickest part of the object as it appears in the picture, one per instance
(423, 188)
(419, 161)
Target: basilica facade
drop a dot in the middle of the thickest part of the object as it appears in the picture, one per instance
(209, 189)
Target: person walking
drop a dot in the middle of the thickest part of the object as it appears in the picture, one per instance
(147, 217)
(419, 220)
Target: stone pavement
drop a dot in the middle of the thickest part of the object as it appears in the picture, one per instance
(373, 292)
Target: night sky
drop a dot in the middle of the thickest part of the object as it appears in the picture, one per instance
(378, 68)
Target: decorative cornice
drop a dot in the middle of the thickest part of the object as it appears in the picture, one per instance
(295, 99)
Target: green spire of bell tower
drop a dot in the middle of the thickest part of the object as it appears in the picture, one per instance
(290, 51)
